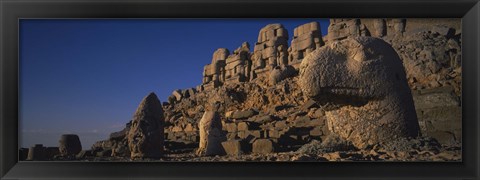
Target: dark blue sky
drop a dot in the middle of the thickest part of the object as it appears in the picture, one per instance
(88, 76)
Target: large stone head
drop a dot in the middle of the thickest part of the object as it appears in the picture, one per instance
(145, 137)
(362, 85)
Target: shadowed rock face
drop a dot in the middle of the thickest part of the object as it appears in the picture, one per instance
(145, 137)
(361, 84)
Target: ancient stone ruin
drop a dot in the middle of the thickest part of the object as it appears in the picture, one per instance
(214, 73)
(371, 89)
(238, 64)
(306, 38)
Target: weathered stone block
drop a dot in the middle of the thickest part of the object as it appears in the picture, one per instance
(244, 114)
(317, 131)
(280, 125)
(232, 147)
(247, 125)
(231, 127)
(274, 134)
(262, 146)
(256, 133)
(317, 122)
(302, 121)
(242, 134)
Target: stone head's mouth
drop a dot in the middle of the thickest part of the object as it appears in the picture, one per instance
(331, 98)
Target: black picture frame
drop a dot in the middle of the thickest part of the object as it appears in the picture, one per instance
(12, 10)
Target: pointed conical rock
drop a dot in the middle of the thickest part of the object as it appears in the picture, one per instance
(145, 137)
(211, 135)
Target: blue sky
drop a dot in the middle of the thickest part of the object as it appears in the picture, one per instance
(88, 76)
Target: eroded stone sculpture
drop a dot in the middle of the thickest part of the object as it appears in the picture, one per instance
(211, 134)
(271, 49)
(306, 38)
(214, 73)
(238, 64)
(342, 28)
(362, 85)
(145, 137)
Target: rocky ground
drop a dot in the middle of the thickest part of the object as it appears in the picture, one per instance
(418, 150)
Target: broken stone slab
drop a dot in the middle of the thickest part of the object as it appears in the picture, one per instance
(246, 126)
(302, 121)
(232, 147)
(244, 114)
(309, 104)
(262, 146)
(264, 119)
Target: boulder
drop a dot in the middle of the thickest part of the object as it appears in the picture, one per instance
(232, 147)
(146, 134)
(211, 135)
(362, 85)
(262, 146)
(69, 145)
